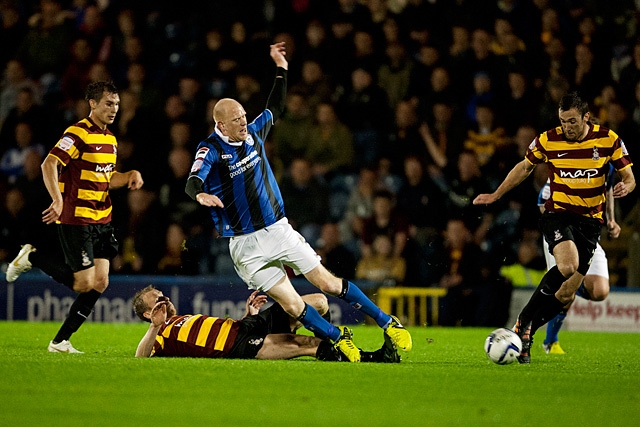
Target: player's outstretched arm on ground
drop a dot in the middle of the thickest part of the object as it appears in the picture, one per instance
(518, 174)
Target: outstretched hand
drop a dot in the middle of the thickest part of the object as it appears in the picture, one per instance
(484, 199)
(134, 181)
(278, 52)
(209, 200)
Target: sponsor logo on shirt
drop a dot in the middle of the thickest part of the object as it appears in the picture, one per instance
(106, 169)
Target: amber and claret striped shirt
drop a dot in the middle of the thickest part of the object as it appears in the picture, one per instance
(88, 155)
(195, 336)
(578, 170)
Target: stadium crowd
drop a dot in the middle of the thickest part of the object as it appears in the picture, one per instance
(398, 113)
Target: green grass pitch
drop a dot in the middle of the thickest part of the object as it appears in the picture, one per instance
(445, 381)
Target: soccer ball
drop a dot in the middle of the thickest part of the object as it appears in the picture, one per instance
(503, 346)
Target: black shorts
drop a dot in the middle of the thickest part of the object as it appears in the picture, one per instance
(254, 329)
(82, 244)
(583, 231)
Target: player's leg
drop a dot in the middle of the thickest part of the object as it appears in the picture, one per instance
(255, 263)
(551, 342)
(320, 277)
(288, 346)
(87, 251)
(317, 301)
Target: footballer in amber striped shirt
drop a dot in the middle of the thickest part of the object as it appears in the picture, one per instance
(266, 334)
(578, 154)
(78, 172)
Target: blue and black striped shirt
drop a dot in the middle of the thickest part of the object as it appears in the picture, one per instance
(240, 175)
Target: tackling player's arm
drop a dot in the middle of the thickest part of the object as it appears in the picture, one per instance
(196, 192)
(518, 174)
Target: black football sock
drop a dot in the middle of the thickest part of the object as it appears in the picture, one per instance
(372, 356)
(327, 352)
(78, 313)
(548, 286)
(549, 308)
(54, 267)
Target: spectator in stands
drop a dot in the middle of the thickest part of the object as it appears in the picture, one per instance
(395, 73)
(306, 198)
(363, 107)
(137, 228)
(382, 266)
(335, 255)
(292, 133)
(314, 85)
(518, 106)
(485, 136)
(44, 49)
(359, 207)
(13, 161)
(14, 79)
(28, 111)
(461, 275)
(330, 144)
(421, 200)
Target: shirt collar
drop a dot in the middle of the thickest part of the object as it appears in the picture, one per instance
(225, 138)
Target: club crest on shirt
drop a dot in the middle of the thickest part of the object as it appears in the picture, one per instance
(596, 155)
(249, 140)
(65, 143)
(532, 145)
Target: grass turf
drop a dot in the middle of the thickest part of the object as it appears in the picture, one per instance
(445, 381)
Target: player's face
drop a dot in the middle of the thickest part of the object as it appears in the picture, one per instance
(104, 112)
(234, 124)
(151, 298)
(574, 126)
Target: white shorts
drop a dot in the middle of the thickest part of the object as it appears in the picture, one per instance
(599, 265)
(259, 258)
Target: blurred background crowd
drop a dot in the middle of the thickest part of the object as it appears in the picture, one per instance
(398, 113)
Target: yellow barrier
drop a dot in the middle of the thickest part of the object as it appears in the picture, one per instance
(407, 296)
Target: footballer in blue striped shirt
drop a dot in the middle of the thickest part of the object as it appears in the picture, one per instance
(232, 177)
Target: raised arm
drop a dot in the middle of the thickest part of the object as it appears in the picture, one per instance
(277, 97)
(158, 316)
(518, 174)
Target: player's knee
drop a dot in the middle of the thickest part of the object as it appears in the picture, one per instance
(319, 302)
(101, 284)
(599, 294)
(567, 269)
(80, 285)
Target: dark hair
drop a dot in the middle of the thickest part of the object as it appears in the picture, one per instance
(95, 90)
(573, 100)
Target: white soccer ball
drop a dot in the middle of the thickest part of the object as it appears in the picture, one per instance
(503, 346)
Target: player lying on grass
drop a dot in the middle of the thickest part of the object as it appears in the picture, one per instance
(269, 334)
